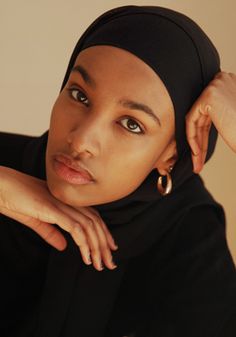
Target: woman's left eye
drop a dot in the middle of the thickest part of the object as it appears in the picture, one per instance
(78, 95)
(131, 125)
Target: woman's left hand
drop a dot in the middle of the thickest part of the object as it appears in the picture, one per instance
(216, 104)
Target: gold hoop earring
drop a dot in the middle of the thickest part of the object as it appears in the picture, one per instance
(167, 189)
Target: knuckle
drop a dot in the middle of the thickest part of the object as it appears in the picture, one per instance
(78, 232)
(207, 127)
(37, 223)
(97, 219)
(95, 247)
(95, 212)
(232, 75)
(90, 224)
(221, 74)
(211, 92)
(104, 246)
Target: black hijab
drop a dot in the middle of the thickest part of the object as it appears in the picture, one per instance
(77, 298)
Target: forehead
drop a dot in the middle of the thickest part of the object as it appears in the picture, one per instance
(123, 73)
(116, 63)
(109, 56)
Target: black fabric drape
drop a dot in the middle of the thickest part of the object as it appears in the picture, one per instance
(77, 300)
(182, 280)
(74, 292)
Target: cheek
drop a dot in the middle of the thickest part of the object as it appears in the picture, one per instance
(130, 167)
(58, 116)
(60, 123)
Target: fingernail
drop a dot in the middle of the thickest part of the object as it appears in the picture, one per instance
(89, 259)
(114, 265)
(101, 266)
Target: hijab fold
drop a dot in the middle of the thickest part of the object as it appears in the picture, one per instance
(77, 299)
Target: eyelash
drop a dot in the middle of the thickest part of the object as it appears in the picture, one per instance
(70, 90)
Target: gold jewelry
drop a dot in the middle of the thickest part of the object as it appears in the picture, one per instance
(167, 189)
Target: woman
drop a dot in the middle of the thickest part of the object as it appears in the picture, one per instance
(119, 122)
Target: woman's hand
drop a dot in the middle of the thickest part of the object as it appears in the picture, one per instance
(216, 104)
(28, 200)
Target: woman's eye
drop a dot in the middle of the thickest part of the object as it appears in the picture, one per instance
(131, 125)
(78, 95)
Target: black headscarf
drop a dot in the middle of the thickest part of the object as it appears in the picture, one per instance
(77, 297)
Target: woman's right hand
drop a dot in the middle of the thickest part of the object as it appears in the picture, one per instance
(28, 200)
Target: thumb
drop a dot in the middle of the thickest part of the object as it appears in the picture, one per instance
(46, 231)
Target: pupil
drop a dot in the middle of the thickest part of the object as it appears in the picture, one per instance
(81, 96)
(132, 124)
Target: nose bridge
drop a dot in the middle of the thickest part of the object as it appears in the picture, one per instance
(87, 134)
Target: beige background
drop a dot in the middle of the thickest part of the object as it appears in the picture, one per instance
(37, 38)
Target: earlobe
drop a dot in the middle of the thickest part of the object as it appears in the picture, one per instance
(167, 159)
(165, 170)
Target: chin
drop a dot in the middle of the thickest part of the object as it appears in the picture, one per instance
(68, 196)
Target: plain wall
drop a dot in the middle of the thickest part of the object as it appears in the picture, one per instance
(36, 40)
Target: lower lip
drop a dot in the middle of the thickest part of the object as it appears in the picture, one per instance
(70, 175)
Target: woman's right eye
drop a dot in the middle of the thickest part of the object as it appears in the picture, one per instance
(78, 95)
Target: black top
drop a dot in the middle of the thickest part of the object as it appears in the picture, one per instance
(184, 285)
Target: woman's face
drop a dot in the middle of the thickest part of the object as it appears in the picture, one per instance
(115, 119)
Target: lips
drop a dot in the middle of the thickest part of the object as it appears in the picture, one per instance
(70, 163)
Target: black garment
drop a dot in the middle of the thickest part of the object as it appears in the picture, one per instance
(185, 285)
(175, 276)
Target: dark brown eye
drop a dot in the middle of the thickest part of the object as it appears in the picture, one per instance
(131, 125)
(78, 95)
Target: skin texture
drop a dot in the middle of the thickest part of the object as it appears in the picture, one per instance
(27, 200)
(89, 123)
(94, 136)
(73, 131)
(216, 104)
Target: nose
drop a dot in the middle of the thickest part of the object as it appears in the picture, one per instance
(85, 137)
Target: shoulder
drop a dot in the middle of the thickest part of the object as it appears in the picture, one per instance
(12, 140)
(204, 214)
(12, 146)
(197, 204)
(200, 228)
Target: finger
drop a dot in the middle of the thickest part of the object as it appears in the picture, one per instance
(73, 226)
(98, 237)
(203, 129)
(56, 215)
(49, 233)
(193, 140)
(45, 230)
(220, 74)
(98, 218)
(198, 164)
(80, 238)
(110, 238)
(81, 229)
(104, 246)
(191, 128)
(205, 138)
(93, 241)
(69, 219)
(93, 214)
(195, 120)
(103, 236)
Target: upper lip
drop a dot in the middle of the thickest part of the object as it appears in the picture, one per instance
(70, 162)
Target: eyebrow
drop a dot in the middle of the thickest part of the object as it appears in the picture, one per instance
(124, 102)
(85, 75)
(140, 106)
